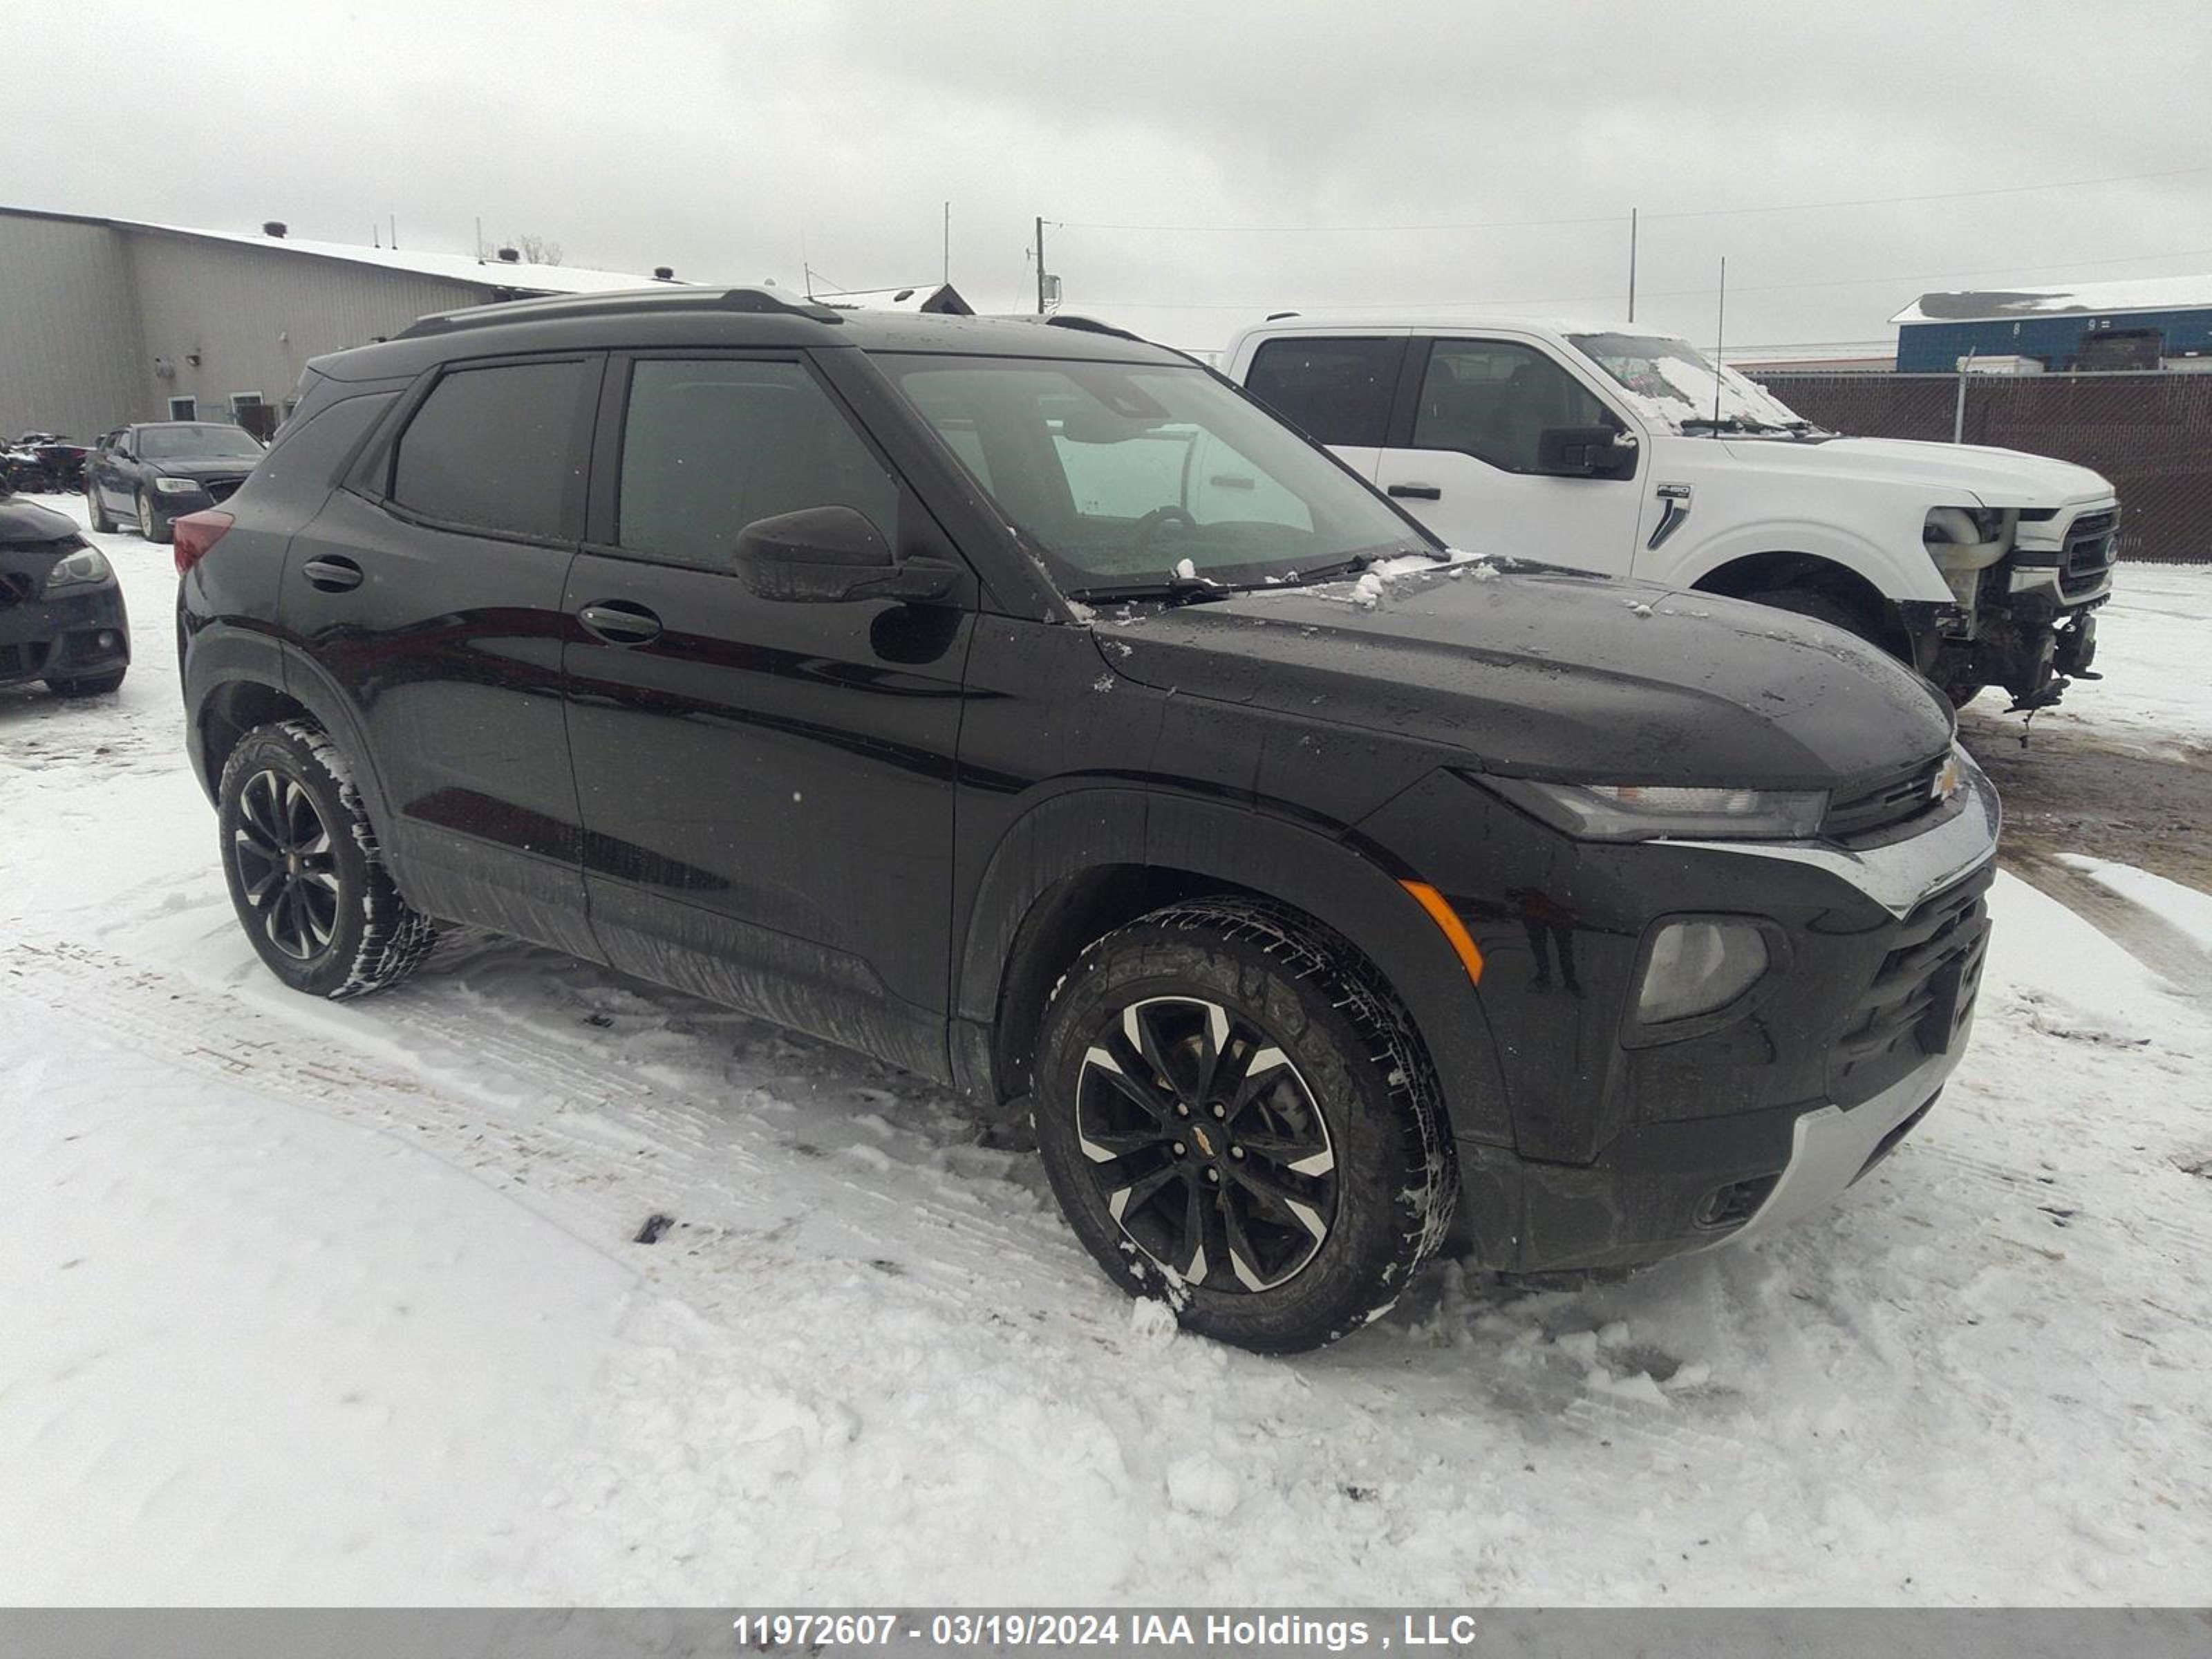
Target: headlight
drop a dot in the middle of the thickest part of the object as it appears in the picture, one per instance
(176, 486)
(1699, 967)
(1621, 811)
(86, 567)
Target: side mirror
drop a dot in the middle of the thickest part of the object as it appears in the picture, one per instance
(833, 555)
(1585, 452)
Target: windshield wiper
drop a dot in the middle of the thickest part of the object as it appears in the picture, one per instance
(1358, 563)
(1171, 590)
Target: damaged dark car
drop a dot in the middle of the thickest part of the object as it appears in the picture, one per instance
(62, 617)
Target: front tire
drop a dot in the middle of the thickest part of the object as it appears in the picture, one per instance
(151, 525)
(306, 872)
(1236, 1117)
(1824, 607)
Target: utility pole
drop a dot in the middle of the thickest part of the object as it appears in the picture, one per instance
(948, 245)
(1631, 264)
(1040, 257)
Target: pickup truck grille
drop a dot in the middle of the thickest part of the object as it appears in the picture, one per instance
(1924, 990)
(2089, 543)
(1896, 799)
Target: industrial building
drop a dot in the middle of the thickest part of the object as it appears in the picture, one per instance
(105, 321)
(2149, 322)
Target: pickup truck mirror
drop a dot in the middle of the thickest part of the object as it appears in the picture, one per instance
(1585, 452)
(833, 555)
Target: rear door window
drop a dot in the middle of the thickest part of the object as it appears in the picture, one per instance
(709, 444)
(496, 449)
(1335, 392)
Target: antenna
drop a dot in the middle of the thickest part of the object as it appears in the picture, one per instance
(948, 245)
(1720, 321)
(1631, 264)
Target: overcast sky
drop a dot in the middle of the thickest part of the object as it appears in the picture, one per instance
(736, 141)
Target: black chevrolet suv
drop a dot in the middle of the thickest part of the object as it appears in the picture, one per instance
(1023, 705)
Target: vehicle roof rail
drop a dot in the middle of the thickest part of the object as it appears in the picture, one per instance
(1092, 325)
(758, 301)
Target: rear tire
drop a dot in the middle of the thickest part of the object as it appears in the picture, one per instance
(306, 872)
(92, 685)
(101, 524)
(1269, 1152)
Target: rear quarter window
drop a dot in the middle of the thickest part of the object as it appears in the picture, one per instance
(1335, 392)
(495, 448)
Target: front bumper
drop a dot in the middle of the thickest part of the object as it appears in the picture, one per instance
(1624, 1151)
(77, 636)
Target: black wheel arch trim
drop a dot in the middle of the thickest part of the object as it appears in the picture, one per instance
(226, 657)
(1083, 829)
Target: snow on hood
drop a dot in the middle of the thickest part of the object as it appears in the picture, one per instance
(1996, 478)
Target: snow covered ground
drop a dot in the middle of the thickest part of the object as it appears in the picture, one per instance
(312, 1303)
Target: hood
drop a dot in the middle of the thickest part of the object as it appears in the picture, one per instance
(1995, 478)
(1547, 674)
(22, 522)
(204, 466)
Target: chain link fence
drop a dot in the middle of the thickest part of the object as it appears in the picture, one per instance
(2149, 432)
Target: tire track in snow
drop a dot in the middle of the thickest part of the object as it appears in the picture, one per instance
(560, 1128)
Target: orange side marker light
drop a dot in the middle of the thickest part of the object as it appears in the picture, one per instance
(1448, 923)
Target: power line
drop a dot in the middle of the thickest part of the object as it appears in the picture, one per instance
(1622, 218)
(1668, 294)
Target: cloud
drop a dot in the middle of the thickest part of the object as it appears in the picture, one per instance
(735, 142)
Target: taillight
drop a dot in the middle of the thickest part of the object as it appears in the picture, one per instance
(195, 533)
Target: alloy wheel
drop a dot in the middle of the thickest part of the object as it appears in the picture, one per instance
(145, 516)
(1205, 1145)
(287, 865)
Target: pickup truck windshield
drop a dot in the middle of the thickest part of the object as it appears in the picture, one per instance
(1126, 476)
(1674, 384)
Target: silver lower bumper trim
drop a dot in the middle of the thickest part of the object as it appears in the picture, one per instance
(1831, 1145)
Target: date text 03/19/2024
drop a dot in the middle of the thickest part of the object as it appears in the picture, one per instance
(1046, 1628)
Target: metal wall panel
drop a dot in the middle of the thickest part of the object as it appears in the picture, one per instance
(253, 315)
(70, 358)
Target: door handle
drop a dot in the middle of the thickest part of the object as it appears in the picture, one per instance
(332, 575)
(1418, 492)
(619, 623)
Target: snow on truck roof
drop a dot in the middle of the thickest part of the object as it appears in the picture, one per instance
(2001, 305)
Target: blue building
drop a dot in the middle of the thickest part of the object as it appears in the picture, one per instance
(2139, 323)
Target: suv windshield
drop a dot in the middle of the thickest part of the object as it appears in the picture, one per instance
(1129, 474)
(1675, 384)
(206, 442)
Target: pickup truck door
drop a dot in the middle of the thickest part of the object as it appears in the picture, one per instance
(1462, 455)
(1338, 390)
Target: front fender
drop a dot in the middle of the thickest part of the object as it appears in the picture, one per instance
(1901, 573)
(1345, 889)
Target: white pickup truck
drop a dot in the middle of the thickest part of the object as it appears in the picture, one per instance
(1610, 448)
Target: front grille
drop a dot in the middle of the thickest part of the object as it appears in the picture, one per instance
(221, 490)
(1898, 799)
(1926, 987)
(2089, 543)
